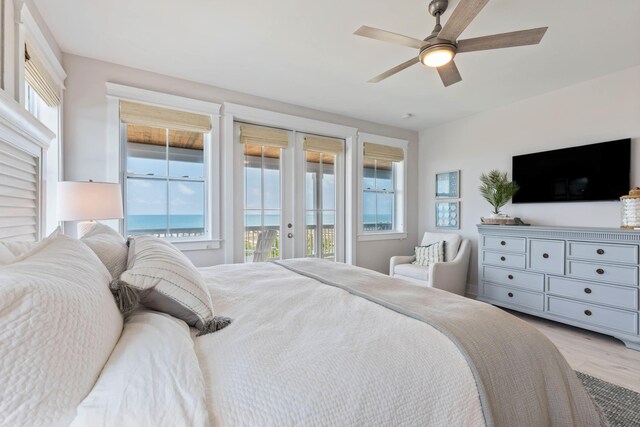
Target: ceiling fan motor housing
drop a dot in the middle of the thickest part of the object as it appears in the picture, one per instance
(438, 7)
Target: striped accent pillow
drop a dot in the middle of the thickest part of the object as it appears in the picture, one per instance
(427, 255)
(167, 281)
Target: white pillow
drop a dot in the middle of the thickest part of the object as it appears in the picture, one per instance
(58, 326)
(109, 246)
(167, 281)
(13, 251)
(427, 255)
(451, 243)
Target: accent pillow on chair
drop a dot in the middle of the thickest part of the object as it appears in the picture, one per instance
(167, 281)
(427, 255)
(109, 246)
(451, 243)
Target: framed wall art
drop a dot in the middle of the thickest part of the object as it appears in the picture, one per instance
(448, 215)
(448, 185)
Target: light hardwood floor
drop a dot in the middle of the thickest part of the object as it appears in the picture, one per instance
(594, 354)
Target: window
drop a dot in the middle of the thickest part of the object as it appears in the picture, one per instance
(166, 184)
(382, 181)
(43, 98)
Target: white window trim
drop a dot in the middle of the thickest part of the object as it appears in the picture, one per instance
(117, 92)
(400, 191)
(27, 29)
(236, 112)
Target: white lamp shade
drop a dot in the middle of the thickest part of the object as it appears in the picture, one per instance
(78, 201)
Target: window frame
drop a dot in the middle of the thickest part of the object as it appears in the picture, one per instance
(400, 192)
(171, 178)
(213, 172)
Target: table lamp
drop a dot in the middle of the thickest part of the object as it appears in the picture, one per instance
(88, 202)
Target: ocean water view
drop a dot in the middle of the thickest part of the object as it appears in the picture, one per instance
(182, 222)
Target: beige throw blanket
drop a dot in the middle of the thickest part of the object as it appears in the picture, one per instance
(521, 377)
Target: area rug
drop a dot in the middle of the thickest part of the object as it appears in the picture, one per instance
(620, 405)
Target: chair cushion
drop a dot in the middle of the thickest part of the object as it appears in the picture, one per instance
(451, 243)
(413, 271)
(427, 255)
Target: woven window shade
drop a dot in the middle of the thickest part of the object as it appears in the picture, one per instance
(323, 145)
(267, 137)
(383, 152)
(158, 117)
(40, 80)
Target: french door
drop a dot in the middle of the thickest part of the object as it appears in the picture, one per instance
(292, 187)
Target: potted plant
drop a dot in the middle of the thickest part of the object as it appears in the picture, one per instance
(497, 190)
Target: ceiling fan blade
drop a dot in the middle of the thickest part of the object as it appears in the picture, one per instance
(460, 19)
(449, 74)
(394, 70)
(499, 41)
(388, 36)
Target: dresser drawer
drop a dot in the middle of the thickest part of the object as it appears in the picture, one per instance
(511, 244)
(624, 254)
(610, 318)
(503, 259)
(624, 275)
(513, 296)
(617, 296)
(546, 256)
(514, 278)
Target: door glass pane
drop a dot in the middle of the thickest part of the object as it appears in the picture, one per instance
(186, 154)
(146, 150)
(328, 235)
(186, 208)
(262, 202)
(328, 183)
(147, 206)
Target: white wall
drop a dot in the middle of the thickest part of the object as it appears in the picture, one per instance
(86, 144)
(604, 109)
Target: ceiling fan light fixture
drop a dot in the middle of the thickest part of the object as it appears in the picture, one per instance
(437, 56)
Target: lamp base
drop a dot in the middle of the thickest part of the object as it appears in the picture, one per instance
(84, 227)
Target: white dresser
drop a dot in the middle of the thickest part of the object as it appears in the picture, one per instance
(586, 277)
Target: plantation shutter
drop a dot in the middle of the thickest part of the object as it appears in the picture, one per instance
(159, 117)
(37, 76)
(323, 145)
(18, 194)
(383, 152)
(260, 135)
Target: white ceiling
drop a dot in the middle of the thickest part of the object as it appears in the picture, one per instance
(303, 51)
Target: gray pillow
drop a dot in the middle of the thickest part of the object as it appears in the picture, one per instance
(109, 246)
(167, 281)
(427, 255)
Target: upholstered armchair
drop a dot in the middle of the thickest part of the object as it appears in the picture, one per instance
(450, 275)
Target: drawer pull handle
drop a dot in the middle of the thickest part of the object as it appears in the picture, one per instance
(587, 312)
(502, 258)
(545, 255)
(510, 277)
(503, 243)
(600, 271)
(510, 295)
(587, 290)
(600, 251)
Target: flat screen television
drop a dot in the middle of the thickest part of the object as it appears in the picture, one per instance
(594, 172)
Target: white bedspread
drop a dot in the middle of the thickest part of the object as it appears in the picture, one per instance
(151, 379)
(302, 353)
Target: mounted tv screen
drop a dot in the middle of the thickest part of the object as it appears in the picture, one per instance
(592, 172)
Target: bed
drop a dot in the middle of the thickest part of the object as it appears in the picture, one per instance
(311, 342)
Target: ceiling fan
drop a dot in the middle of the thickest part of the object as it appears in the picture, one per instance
(438, 49)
